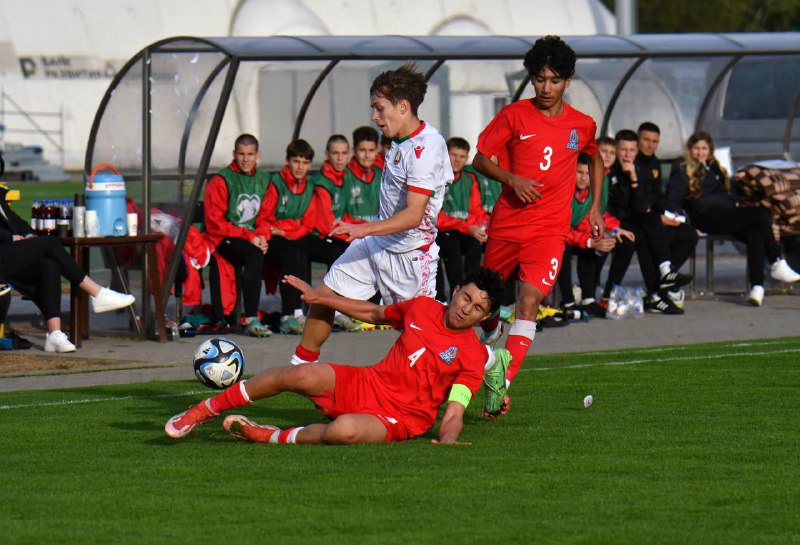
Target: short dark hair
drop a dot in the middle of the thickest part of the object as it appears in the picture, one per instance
(299, 148)
(336, 138)
(365, 133)
(246, 140)
(550, 51)
(605, 140)
(626, 135)
(458, 143)
(404, 83)
(491, 282)
(648, 126)
(583, 159)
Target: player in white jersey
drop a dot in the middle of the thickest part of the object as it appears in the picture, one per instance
(396, 255)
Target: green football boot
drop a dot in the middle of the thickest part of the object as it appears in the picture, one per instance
(494, 384)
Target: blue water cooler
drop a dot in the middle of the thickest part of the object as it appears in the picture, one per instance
(105, 193)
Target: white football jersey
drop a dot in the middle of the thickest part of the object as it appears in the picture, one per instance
(420, 162)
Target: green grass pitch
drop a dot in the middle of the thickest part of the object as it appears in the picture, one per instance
(685, 444)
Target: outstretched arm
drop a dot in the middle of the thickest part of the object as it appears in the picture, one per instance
(452, 422)
(360, 310)
(407, 218)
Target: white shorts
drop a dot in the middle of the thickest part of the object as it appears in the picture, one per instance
(365, 268)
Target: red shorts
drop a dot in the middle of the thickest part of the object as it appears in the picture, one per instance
(357, 392)
(539, 260)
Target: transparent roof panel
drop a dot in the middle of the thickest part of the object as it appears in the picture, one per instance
(669, 92)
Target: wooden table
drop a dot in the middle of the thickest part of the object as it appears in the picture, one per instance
(79, 299)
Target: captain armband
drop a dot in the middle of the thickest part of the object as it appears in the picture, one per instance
(460, 394)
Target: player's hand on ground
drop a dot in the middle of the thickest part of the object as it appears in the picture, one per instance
(525, 188)
(453, 442)
(308, 293)
(352, 230)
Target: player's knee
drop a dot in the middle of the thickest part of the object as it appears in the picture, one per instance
(342, 431)
(300, 378)
(528, 306)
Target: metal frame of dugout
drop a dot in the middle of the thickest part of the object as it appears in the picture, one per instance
(123, 134)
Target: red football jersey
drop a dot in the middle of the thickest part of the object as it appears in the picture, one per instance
(544, 149)
(426, 360)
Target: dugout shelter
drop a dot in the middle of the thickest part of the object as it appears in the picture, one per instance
(169, 117)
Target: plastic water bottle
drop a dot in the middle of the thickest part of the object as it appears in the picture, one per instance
(78, 216)
(62, 219)
(36, 211)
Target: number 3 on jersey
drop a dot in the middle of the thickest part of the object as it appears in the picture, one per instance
(412, 359)
(548, 154)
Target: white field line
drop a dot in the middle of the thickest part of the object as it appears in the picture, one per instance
(96, 400)
(576, 366)
(665, 360)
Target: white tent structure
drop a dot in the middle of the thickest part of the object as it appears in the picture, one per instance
(58, 57)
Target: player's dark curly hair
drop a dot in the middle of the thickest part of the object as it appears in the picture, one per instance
(404, 83)
(550, 51)
(491, 282)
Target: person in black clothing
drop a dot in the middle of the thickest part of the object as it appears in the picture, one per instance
(634, 204)
(35, 265)
(461, 223)
(681, 235)
(700, 186)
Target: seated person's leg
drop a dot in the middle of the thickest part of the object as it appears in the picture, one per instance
(241, 253)
(565, 279)
(682, 241)
(292, 256)
(620, 261)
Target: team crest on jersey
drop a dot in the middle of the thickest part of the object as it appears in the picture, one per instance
(656, 173)
(397, 157)
(418, 151)
(573, 140)
(449, 355)
(247, 206)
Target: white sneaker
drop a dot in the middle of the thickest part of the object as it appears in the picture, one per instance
(111, 300)
(56, 341)
(677, 297)
(781, 271)
(756, 296)
(346, 323)
(491, 337)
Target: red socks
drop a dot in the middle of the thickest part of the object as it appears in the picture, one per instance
(304, 355)
(519, 341)
(235, 396)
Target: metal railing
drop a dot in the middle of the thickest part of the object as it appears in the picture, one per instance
(32, 123)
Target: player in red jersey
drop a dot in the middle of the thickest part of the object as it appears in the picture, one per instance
(436, 358)
(539, 141)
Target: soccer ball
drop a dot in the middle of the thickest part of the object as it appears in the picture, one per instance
(218, 363)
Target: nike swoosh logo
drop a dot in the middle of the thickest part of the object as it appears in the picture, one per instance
(526, 136)
(412, 325)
